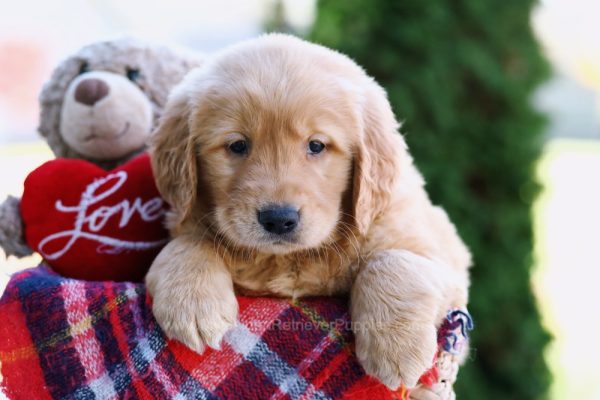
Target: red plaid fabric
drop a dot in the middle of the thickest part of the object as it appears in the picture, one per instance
(68, 339)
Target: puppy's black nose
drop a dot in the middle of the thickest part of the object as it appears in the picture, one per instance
(278, 219)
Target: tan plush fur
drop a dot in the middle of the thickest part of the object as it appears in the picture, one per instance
(367, 226)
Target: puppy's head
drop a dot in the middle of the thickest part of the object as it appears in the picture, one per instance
(278, 145)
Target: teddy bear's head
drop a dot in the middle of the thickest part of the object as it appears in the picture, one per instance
(102, 102)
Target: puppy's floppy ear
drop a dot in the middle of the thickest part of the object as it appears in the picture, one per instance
(377, 158)
(173, 157)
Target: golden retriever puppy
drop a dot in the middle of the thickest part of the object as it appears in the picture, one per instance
(287, 176)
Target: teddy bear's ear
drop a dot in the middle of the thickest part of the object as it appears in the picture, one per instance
(169, 65)
(51, 102)
(173, 157)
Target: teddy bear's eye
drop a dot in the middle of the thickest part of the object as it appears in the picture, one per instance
(133, 74)
(85, 67)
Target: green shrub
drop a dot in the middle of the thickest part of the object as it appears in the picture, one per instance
(460, 75)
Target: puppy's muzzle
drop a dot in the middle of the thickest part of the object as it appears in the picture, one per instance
(278, 220)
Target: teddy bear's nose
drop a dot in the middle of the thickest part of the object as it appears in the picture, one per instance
(90, 91)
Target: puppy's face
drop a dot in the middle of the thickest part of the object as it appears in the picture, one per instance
(274, 144)
(275, 153)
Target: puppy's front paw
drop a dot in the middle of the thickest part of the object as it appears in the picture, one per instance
(192, 291)
(396, 301)
(397, 354)
(197, 320)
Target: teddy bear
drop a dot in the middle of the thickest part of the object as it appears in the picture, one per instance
(100, 105)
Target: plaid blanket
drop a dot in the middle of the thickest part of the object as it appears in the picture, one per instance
(70, 339)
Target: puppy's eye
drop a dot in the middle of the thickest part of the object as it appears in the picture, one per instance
(315, 147)
(239, 147)
(85, 67)
(133, 74)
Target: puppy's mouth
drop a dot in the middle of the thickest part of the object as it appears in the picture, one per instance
(272, 244)
(280, 244)
(283, 242)
(279, 248)
(95, 136)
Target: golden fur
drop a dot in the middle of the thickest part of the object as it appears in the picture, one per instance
(367, 226)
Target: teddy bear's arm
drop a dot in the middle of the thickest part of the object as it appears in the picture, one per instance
(12, 235)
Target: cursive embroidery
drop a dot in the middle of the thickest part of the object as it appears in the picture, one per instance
(149, 211)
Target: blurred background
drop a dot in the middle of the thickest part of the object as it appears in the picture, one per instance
(500, 104)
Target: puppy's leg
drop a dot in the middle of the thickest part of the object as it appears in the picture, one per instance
(193, 298)
(397, 301)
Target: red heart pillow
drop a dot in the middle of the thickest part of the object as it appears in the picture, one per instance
(92, 224)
